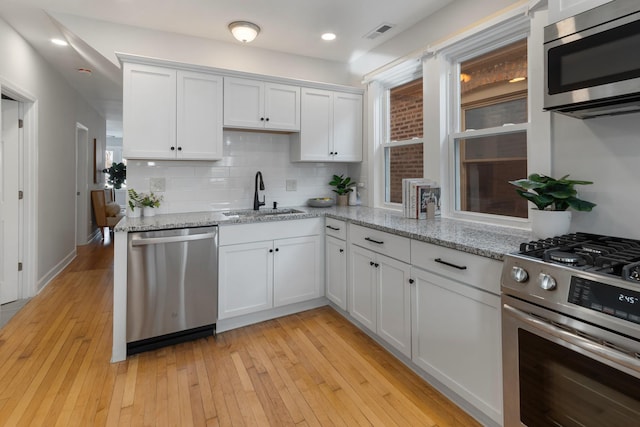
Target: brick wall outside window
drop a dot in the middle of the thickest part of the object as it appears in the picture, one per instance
(405, 123)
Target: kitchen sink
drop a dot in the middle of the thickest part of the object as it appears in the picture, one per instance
(261, 212)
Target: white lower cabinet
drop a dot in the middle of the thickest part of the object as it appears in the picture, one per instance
(336, 270)
(256, 276)
(456, 338)
(381, 296)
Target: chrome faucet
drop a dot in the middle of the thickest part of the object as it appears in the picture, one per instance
(256, 201)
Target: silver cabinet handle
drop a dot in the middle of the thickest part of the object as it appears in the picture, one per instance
(172, 239)
(369, 239)
(611, 354)
(459, 267)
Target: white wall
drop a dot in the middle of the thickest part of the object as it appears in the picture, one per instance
(229, 183)
(59, 108)
(605, 150)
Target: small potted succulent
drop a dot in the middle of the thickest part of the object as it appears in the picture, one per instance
(552, 197)
(343, 186)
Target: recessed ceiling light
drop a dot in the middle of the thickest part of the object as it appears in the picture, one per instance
(328, 37)
(59, 42)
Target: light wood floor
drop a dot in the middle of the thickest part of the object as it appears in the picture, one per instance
(310, 369)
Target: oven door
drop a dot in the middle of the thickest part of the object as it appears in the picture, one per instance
(557, 376)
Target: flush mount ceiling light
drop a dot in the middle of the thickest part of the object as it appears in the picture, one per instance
(244, 31)
(328, 37)
(59, 42)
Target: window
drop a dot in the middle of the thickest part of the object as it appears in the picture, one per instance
(490, 145)
(403, 145)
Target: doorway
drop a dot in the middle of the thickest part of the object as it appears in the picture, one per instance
(82, 185)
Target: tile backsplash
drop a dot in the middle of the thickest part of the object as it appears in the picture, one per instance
(191, 186)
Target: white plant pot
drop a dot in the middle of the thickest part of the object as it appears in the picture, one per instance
(546, 224)
(134, 213)
(148, 211)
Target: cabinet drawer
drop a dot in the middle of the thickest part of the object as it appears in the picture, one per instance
(336, 228)
(382, 242)
(477, 271)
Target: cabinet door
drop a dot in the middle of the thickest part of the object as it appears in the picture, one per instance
(298, 275)
(199, 116)
(149, 112)
(347, 127)
(243, 103)
(245, 279)
(336, 271)
(456, 338)
(316, 135)
(394, 303)
(281, 107)
(362, 295)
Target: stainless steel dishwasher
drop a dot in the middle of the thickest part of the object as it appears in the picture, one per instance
(172, 286)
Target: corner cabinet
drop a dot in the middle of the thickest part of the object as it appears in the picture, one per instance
(254, 104)
(267, 265)
(171, 114)
(330, 128)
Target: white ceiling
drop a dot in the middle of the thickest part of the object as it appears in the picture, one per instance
(290, 26)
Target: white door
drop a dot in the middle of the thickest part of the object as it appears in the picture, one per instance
(363, 295)
(336, 270)
(9, 204)
(347, 127)
(82, 185)
(282, 107)
(296, 270)
(394, 303)
(316, 135)
(246, 278)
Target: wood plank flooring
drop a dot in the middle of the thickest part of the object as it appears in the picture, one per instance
(310, 369)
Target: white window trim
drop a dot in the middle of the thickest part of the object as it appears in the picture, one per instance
(511, 28)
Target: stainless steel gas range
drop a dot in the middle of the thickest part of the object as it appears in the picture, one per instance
(571, 332)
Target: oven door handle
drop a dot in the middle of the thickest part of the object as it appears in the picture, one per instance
(611, 354)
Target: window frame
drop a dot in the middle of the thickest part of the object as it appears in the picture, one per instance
(451, 58)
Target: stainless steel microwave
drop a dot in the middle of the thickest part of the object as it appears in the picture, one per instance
(592, 62)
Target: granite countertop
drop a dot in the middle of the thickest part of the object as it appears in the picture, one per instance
(480, 239)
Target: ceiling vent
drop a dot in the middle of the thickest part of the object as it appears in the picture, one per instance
(378, 31)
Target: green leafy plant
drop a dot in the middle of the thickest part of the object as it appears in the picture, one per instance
(117, 174)
(135, 201)
(552, 194)
(150, 200)
(342, 185)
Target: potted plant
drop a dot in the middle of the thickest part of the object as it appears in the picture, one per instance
(149, 202)
(117, 174)
(552, 197)
(135, 203)
(343, 186)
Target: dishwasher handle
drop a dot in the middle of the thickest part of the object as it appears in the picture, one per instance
(172, 239)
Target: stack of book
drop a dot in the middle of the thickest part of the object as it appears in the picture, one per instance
(420, 198)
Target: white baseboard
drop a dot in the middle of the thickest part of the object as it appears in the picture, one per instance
(57, 269)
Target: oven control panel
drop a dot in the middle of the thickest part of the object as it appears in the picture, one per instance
(612, 300)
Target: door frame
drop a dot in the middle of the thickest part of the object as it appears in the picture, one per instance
(81, 200)
(28, 223)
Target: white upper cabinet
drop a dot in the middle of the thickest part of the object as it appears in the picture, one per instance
(330, 128)
(254, 104)
(149, 112)
(171, 114)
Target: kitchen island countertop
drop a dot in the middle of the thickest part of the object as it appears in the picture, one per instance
(490, 241)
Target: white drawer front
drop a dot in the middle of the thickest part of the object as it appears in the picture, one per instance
(480, 272)
(382, 242)
(336, 228)
(233, 234)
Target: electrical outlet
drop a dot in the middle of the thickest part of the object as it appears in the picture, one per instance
(157, 184)
(292, 185)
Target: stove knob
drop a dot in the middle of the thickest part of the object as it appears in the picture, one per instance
(519, 274)
(546, 282)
